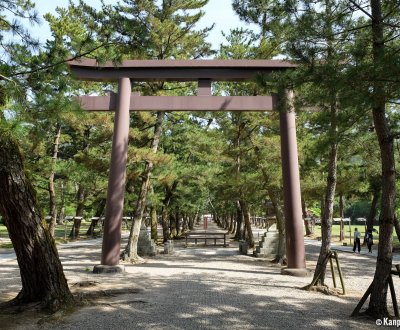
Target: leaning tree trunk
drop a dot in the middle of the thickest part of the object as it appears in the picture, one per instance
(52, 189)
(378, 302)
(327, 214)
(41, 271)
(130, 252)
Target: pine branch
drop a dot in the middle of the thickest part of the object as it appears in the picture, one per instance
(46, 67)
(362, 9)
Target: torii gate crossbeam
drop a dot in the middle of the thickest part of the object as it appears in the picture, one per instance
(204, 72)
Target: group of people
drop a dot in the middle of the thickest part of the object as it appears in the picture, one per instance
(368, 240)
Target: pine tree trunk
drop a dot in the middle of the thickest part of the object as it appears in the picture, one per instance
(326, 219)
(99, 212)
(52, 190)
(80, 205)
(41, 271)
(169, 192)
(217, 220)
(130, 252)
(341, 214)
(231, 220)
(185, 223)
(178, 223)
(172, 225)
(307, 224)
(280, 217)
(396, 224)
(378, 302)
(374, 208)
(280, 224)
(154, 233)
(165, 225)
(246, 215)
(239, 222)
(61, 217)
(191, 222)
(226, 221)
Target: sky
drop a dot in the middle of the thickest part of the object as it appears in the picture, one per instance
(219, 12)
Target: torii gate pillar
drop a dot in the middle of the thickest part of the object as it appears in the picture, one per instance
(295, 251)
(116, 183)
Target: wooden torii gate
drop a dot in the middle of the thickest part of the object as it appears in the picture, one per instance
(204, 72)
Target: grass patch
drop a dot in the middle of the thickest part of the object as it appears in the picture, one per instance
(61, 233)
(3, 231)
(6, 245)
(348, 236)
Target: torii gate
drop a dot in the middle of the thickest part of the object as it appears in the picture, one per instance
(204, 72)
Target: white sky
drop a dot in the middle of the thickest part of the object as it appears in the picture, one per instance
(217, 11)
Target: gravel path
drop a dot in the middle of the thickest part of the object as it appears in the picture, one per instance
(202, 288)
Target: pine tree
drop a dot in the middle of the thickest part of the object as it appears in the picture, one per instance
(41, 271)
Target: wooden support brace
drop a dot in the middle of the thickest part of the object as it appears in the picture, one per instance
(333, 271)
(392, 293)
(362, 301)
(332, 255)
(340, 272)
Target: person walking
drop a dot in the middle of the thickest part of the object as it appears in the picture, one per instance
(369, 240)
(357, 243)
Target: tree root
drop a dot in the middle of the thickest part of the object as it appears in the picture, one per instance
(132, 260)
(374, 315)
(322, 289)
(87, 293)
(280, 261)
(48, 304)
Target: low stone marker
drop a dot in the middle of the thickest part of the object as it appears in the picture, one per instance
(146, 246)
(169, 247)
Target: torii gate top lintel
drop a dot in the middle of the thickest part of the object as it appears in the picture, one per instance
(175, 70)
